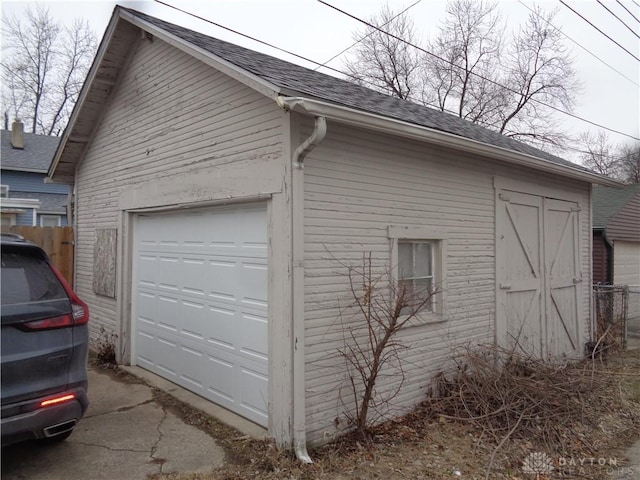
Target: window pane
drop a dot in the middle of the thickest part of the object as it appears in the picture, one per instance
(405, 260)
(422, 256)
(49, 221)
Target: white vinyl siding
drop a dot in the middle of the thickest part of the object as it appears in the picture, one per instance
(171, 118)
(626, 263)
(357, 184)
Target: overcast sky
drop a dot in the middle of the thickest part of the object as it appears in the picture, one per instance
(315, 31)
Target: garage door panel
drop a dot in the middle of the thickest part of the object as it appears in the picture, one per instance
(201, 304)
(254, 344)
(255, 387)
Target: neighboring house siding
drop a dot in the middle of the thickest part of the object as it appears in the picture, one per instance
(172, 115)
(626, 263)
(30, 182)
(601, 259)
(625, 225)
(25, 218)
(356, 185)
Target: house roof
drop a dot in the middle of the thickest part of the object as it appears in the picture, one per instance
(275, 77)
(607, 202)
(35, 157)
(49, 202)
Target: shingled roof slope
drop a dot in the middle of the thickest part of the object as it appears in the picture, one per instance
(294, 79)
(608, 201)
(35, 157)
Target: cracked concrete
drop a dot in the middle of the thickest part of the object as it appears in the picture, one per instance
(125, 435)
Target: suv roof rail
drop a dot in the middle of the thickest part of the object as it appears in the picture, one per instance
(12, 236)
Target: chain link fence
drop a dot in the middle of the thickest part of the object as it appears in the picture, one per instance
(617, 309)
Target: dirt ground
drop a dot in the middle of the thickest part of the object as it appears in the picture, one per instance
(429, 444)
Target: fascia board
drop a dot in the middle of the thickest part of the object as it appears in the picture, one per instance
(27, 170)
(20, 203)
(104, 45)
(391, 126)
(247, 78)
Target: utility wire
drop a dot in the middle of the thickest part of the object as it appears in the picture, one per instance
(637, 4)
(346, 74)
(577, 43)
(247, 36)
(368, 35)
(563, 3)
(619, 19)
(628, 11)
(476, 74)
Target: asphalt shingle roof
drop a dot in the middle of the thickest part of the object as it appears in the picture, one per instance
(309, 83)
(49, 202)
(608, 201)
(36, 156)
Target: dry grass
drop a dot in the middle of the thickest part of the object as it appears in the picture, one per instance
(580, 410)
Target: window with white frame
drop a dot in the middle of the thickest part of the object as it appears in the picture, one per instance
(8, 219)
(50, 220)
(4, 191)
(419, 256)
(415, 270)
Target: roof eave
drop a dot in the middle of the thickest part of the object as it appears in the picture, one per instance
(26, 170)
(82, 98)
(392, 126)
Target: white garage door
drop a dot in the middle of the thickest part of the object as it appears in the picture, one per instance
(200, 303)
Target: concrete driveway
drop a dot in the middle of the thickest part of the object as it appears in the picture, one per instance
(124, 435)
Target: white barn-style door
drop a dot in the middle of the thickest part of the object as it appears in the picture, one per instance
(538, 279)
(200, 303)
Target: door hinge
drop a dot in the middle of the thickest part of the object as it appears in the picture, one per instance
(505, 286)
(504, 196)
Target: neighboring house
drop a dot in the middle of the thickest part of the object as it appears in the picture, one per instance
(616, 235)
(220, 194)
(26, 198)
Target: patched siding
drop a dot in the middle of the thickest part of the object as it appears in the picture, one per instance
(356, 185)
(172, 115)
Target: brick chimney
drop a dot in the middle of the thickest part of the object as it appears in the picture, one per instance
(17, 134)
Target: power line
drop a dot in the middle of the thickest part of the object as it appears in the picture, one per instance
(346, 74)
(368, 35)
(628, 11)
(619, 19)
(563, 3)
(637, 4)
(476, 74)
(249, 37)
(577, 43)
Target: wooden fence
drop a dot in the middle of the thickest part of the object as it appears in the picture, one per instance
(56, 241)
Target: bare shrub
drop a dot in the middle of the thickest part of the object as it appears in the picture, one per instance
(511, 395)
(105, 348)
(381, 308)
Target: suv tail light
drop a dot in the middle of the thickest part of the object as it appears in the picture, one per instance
(79, 309)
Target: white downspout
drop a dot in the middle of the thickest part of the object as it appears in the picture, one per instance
(297, 220)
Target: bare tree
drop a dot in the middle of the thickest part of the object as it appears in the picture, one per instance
(629, 158)
(385, 62)
(475, 70)
(460, 75)
(599, 154)
(540, 75)
(43, 68)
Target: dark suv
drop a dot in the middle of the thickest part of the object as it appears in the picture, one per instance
(44, 347)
